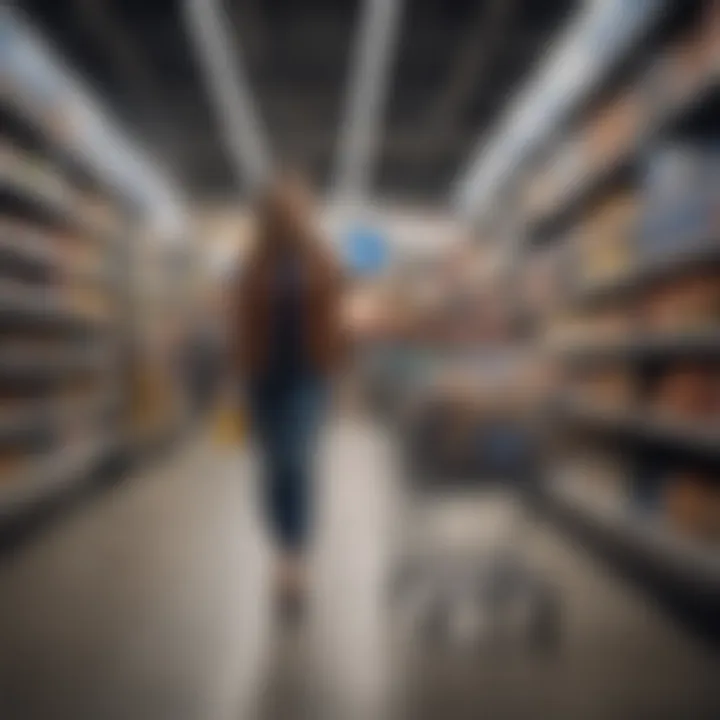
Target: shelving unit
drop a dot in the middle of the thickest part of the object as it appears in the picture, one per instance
(78, 203)
(690, 437)
(644, 347)
(59, 314)
(42, 479)
(625, 211)
(68, 217)
(684, 560)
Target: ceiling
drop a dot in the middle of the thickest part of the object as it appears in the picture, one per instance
(456, 65)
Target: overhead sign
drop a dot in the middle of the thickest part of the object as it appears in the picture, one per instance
(365, 250)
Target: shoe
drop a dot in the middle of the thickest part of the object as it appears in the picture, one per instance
(290, 592)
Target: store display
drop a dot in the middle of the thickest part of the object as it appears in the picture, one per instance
(64, 316)
(637, 332)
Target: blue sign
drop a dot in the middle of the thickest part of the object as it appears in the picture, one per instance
(365, 250)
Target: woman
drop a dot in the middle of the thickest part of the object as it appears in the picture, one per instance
(287, 341)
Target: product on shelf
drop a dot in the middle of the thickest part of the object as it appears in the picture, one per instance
(543, 280)
(605, 240)
(11, 463)
(609, 326)
(554, 183)
(685, 304)
(88, 302)
(31, 241)
(693, 60)
(597, 329)
(33, 175)
(615, 128)
(688, 391)
(681, 193)
(692, 502)
(612, 389)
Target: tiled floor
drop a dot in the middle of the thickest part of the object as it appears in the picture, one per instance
(151, 603)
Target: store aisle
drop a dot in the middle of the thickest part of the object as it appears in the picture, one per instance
(151, 602)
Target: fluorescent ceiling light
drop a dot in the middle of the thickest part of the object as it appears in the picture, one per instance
(369, 76)
(47, 88)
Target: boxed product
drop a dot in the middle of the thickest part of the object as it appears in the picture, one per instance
(557, 179)
(693, 59)
(681, 199)
(606, 246)
(36, 242)
(612, 389)
(685, 304)
(610, 326)
(603, 327)
(543, 280)
(615, 129)
(692, 503)
(12, 462)
(689, 391)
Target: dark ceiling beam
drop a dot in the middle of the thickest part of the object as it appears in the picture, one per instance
(124, 53)
(251, 27)
(473, 61)
(133, 69)
(395, 145)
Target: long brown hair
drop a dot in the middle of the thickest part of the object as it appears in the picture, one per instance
(284, 217)
(286, 222)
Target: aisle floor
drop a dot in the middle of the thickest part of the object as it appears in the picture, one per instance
(151, 602)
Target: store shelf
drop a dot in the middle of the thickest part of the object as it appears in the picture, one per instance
(699, 251)
(18, 252)
(698, 438)
(681, 559)
(22, 303)
(76, 199)
(594, 181)
(23, 422)
(30, 255)
(706, 94)
(701, 344)
(40, 417)
(28, 362)
(50, 476)
(46, 195)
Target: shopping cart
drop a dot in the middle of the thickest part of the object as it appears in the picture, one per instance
(389, 374)
(463, 570)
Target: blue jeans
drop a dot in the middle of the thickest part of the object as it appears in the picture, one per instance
(286, 415)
